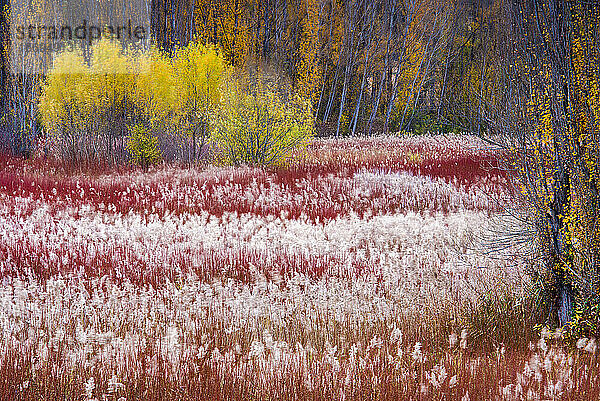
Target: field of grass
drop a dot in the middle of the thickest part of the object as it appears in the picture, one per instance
(359, 272)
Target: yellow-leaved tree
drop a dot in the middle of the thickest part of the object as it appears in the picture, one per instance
(225, 23)
(85, 106)
(155, 96)
(91, 108)
(308, 69)
(198, 74)
(64, 106)
(143, 146)
(554, 125)
(109, 86)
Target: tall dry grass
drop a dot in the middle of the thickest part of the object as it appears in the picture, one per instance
(189, 284)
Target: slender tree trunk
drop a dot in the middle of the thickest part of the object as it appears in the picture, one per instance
(343, 100)
(564, 301)
(364, 78)
(349, 67)
(414, 97)
(193, 146)
(3, 60)
(332, 92)
(385, 68)
(318, 112)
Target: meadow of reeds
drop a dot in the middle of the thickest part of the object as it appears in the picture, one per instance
(358, 272)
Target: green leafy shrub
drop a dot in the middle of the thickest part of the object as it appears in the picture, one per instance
(143, 146)
(260, 124)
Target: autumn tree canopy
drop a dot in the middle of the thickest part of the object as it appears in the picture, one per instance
(368, 66)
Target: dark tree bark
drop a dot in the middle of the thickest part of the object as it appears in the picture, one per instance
(553, 21)
(4, 34)
(173, 22)
(552, 133)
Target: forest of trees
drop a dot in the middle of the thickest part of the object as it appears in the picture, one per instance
(368, 66)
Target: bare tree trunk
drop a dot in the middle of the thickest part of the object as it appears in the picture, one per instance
(4, 67)
(332, 93)
(383, 77)
(552, 53)
(318, 111)
(350, 26)
(354, 121)
(564, 301)
(343, 100)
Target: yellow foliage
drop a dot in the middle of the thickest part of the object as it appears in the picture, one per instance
(227, 24)
(63, 102)
(259, 125)
(563, 156)
(88, 106)
(309, 72)
(83, 105)
(91, 107)
(155, 94)
(142, 146)
(411, 71)
(198, 74)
